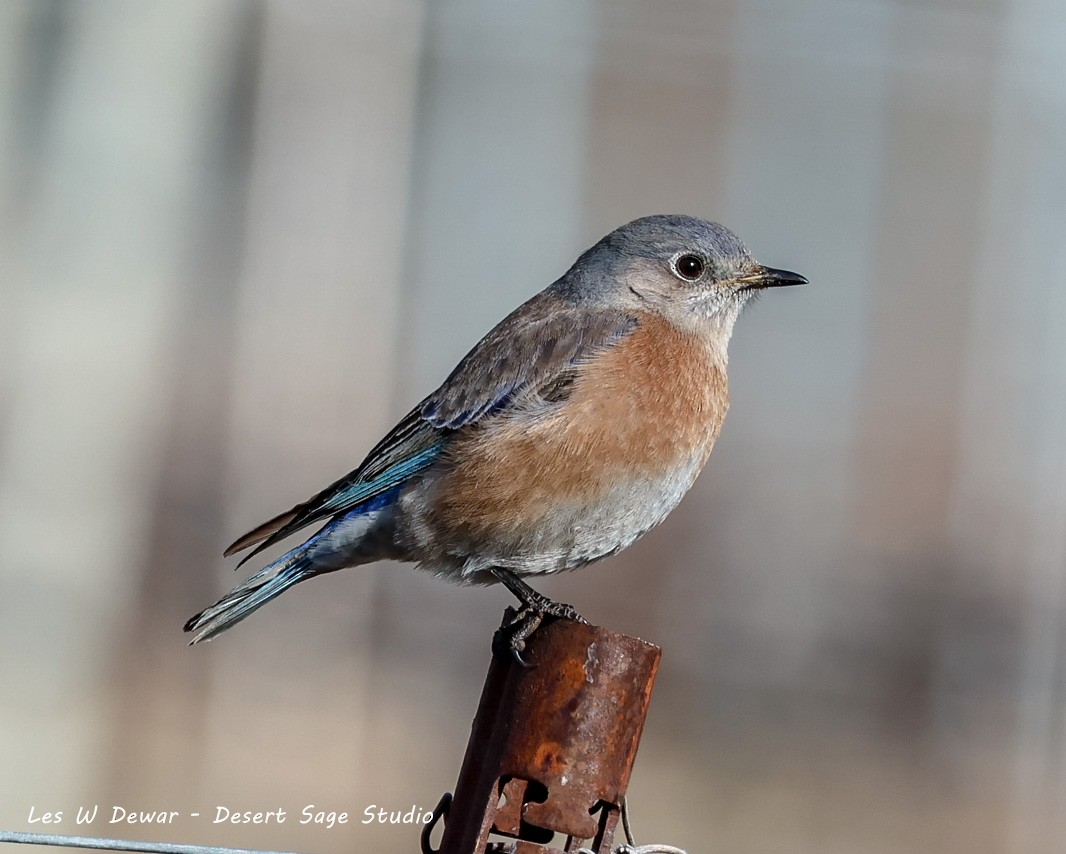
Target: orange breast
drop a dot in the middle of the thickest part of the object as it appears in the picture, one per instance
(654, 401)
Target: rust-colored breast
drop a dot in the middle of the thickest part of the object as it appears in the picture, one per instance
(654, 401)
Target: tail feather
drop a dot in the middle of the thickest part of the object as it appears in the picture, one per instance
(271, 581)
(262, 532)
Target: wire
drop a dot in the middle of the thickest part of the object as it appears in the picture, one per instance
(20, 838)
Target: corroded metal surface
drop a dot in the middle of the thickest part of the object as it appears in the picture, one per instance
(552, 746)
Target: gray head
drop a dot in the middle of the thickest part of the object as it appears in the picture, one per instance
(695, 273)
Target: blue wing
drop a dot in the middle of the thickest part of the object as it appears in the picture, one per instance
(409, 448)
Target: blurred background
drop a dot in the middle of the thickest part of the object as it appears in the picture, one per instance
(239, 239)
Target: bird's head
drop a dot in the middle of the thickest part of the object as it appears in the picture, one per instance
(697, 274)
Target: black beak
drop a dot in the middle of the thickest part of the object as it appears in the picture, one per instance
(769, 277)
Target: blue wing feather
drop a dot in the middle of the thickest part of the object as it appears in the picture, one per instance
(350, 497)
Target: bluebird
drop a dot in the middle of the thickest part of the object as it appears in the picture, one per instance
(569, 431)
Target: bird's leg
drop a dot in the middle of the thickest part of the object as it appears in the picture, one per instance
(519, 624)
(532, 600)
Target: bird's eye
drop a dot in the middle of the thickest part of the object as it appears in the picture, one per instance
(689, 267)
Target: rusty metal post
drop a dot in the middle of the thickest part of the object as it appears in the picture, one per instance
(552, 745)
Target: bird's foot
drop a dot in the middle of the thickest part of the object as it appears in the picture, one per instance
(546, 607)
(519, 623)
(510, 638)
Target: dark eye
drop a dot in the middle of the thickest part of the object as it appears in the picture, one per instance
(689, 267)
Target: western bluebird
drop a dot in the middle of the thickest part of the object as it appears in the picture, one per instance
(571, 429)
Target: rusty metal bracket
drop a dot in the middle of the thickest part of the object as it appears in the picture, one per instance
(552, 745)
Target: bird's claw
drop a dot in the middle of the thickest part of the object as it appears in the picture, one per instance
(519, 624)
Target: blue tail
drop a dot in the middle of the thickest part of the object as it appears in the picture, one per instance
(271, 581)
